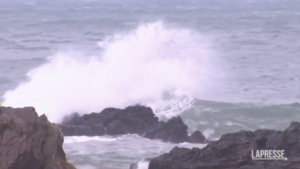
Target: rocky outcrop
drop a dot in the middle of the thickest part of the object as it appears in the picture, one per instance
(111, 121)
(198, 137)
(173, 130)
(30, 141)
(131, 120)
(234, 151)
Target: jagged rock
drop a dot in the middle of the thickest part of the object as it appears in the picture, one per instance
(131, 120)
(198, 137)
(233, 151)
(290, 140)
(29, 141)
(172, 131)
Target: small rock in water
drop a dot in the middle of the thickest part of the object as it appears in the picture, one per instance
(197, 137)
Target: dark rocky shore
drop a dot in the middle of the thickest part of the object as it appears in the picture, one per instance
(131, 120)
(28, 141)
(231, 151)
(234, 151)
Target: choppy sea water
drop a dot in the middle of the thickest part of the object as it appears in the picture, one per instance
(222, 65)
(115, 152)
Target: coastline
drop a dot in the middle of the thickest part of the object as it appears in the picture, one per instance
(231, 151)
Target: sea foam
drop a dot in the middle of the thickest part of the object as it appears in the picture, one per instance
(155, 65)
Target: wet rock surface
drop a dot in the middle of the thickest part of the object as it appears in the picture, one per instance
(131, 120)
(173, 130)
(234, 151)
(30, 141)
(197, 137)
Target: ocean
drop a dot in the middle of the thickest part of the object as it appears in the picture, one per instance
(222, 65)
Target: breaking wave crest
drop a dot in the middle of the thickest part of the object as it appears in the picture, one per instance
(155, 65)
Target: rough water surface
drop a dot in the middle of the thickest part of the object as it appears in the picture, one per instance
(221, 65)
